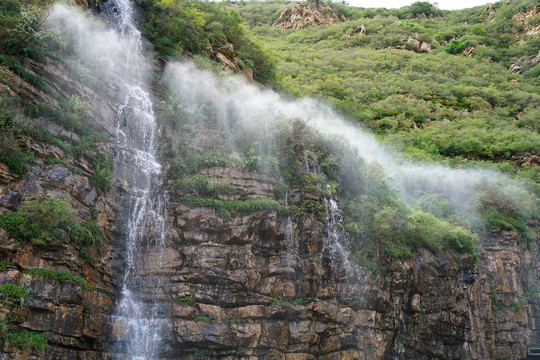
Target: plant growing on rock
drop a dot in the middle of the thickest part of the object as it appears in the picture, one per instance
(43, 220)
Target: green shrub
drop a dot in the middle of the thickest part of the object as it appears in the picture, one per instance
(495, 220)
(423, 7)
(46, 215)
(234, 207)
(38, 221)
(27, 340)
(103, 173)
(479, 30)
(6, 118)
(13, 156)
(186, 300)
(87, 233)
(4, 263)
(280, 190)
(14, 293)
(17, 226)
(457, 46)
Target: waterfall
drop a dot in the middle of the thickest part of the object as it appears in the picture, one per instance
(137, 167)
(333, 241)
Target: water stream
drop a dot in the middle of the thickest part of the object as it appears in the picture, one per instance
(137, 168)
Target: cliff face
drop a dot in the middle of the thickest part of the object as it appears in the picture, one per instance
(67, 288)
(265, 285)
(72, 314)
(311, 12)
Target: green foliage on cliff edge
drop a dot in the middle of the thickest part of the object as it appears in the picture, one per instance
(180, 27)
(40, 221)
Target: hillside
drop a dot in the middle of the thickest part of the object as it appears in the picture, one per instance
(268, 180)
(457, 102)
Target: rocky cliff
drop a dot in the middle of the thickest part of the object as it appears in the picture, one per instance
(265, 285)
(311, 12)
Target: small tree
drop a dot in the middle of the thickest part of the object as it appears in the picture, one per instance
(423, 7)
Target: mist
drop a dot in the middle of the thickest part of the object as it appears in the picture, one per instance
(234, 100)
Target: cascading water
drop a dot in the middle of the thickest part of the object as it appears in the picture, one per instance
(137, 167)
(334, 237)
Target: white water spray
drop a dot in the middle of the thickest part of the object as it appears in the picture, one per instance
(136, 164)
(116, 52)
(232, 99)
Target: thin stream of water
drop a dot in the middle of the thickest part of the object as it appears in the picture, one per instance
(136, 166)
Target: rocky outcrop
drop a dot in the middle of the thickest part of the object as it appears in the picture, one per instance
(72, 314)
(310, 12)
(526, 20)
(268, 285)
(525, 63)
(232, 63)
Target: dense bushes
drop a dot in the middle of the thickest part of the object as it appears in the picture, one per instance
(13, 155)
(20, 23)
(42, 220)
(436, 106)
(179, 26)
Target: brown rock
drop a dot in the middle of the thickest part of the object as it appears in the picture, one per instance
(310, 12)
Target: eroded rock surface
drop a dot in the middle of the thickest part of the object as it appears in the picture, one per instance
(72, 317)
(310, 12)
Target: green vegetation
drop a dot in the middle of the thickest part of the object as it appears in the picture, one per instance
(4, 263)
(38, 220)
(419, 229)
(20, 23)
(293, 301)
(27, 340)
(203, 318)
(186, 300)
(433, 106)
(13, 155)
(13, 293)
(176, 27)
(103, 172)
(228, 208)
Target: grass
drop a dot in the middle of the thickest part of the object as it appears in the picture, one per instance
(27, 340)
(186, 300)
(234, 207)
(67, 278)
(14, 293)
(293, 301)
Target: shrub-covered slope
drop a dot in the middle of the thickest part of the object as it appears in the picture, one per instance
(458, 100)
